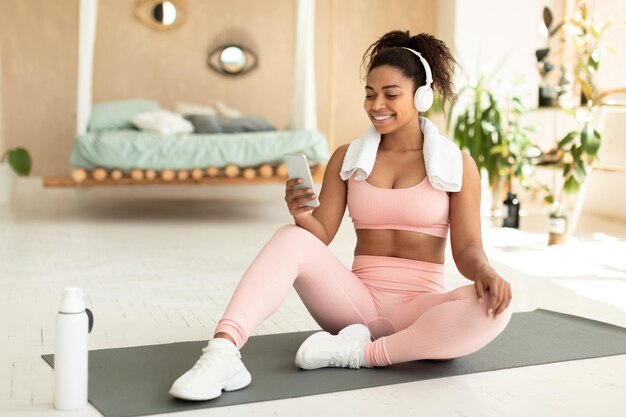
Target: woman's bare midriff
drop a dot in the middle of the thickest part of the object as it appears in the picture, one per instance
(400, 244)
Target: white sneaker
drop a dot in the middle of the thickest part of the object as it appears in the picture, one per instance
(219, 368)
(321, 350)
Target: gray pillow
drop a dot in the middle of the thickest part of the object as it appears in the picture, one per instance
(209, 123)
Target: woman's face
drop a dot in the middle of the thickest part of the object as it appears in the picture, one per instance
(389, 99)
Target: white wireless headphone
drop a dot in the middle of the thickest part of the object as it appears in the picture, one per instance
(424, 95)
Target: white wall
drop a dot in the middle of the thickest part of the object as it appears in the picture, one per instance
(483, 32)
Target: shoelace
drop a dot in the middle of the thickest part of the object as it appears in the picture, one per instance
(210, 356)
(346, 358)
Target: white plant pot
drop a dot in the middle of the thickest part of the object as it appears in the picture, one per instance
(7, 178)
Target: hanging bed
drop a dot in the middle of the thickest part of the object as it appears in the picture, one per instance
(115, 152)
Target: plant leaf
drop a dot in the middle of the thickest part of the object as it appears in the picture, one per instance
(556, 29)
(576, 24)
(540, 54)
(577, 152)
(566, 170)
(590, 140)
(571, 185)
(476, 144)
(20, 161)
(594, 60)
(547, 17)
(580, 171)
(568, 138)
(499, 149)
(595, 31)
(518, 106)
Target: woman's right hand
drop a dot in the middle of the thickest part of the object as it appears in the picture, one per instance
(296, 198)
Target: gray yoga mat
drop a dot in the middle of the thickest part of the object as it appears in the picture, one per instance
(135, 381)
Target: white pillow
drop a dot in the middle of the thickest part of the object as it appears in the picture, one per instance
(226, 111)
(187, 108)
(162, 121)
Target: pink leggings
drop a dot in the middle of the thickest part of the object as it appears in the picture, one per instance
(401, 301)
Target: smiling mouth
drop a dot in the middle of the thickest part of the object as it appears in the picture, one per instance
(382, 119)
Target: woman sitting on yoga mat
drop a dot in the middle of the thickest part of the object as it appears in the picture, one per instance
(392, 306)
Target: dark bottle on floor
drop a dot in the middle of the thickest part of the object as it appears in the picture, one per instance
(510, 211)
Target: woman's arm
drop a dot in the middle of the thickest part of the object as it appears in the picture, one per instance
(324, 220)
(466, 240)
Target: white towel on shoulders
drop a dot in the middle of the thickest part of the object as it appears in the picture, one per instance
(360, 156)
(442, 158)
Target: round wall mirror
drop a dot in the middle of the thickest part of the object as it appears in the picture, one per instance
(161, 14)
(232, 60)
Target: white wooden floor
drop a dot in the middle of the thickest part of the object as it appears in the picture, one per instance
(159, 264)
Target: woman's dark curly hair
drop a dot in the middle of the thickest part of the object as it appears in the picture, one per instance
(388, 51)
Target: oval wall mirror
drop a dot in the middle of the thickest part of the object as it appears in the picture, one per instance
(232, 60)
(161, 14)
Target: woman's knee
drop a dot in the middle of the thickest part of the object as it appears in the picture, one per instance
(500, 320)
(468, 292)
(291, 234)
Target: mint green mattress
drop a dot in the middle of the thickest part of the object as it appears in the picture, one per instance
(128, 149)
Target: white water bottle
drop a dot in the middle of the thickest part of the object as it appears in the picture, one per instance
(73, 325)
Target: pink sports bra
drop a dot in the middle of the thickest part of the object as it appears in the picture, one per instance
(420, 208)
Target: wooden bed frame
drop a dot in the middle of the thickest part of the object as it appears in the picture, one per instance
(229, 175)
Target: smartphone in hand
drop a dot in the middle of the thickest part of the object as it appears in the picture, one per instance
(298, 167)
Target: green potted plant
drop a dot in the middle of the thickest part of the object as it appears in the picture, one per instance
(590, 48)
(517, 157)
(478, 128)
(13, 161)
(578, 150)
(517, 152)
(488, 128)
(545, 57)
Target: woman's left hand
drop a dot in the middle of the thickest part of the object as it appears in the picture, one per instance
(499, 290)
